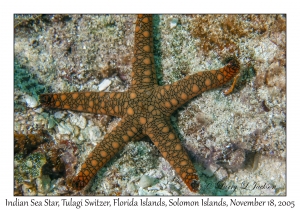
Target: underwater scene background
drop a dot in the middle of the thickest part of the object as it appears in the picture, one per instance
(237, 143)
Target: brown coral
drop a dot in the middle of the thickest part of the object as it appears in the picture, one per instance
(27, 143)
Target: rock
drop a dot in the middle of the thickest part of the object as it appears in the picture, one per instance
(131, 187)
(80, 121)
(51, 123)
(104, 84)
(171, 188)
(155, 187)
(173, 22)
(163, 192)
(80, 138)
(236, 159)
(93, 133)
(44, 115)
(65, 128)
(211, 169)
(144, 192)
(17, 126)
(43, 184)
(76, 131)
(39, 110)
(90, 123)
(30, 101)
(146, 181)
(221, 174)
(28, 189)
(59, 114)
(29, 164)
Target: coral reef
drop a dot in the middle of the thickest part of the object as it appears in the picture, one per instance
(232, 140)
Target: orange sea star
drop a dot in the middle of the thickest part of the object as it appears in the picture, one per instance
(145, 109)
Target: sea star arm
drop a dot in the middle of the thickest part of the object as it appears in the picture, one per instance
(112, 143)
(165, 139)
(93, 102)
(229, 90)
(143, 71)
(175, 95)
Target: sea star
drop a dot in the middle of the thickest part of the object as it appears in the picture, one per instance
(145, 109)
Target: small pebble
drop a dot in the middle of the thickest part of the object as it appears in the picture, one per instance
(80, 121)
(59, 114)
(154, 188)
(17, 126)
(28, 189)
(173, 22)
(43, 184)
(76, 130)
(65, 128)
(144, 192)
(211, 169)
(39, 110)
(163, 192)
(92, 133)
(51, 123)
(104, 84)
(146, 181)
(29, 164)
(131, 187)
(221, 174)
(30, 101)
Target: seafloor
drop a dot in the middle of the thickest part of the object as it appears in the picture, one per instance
(237, 142)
